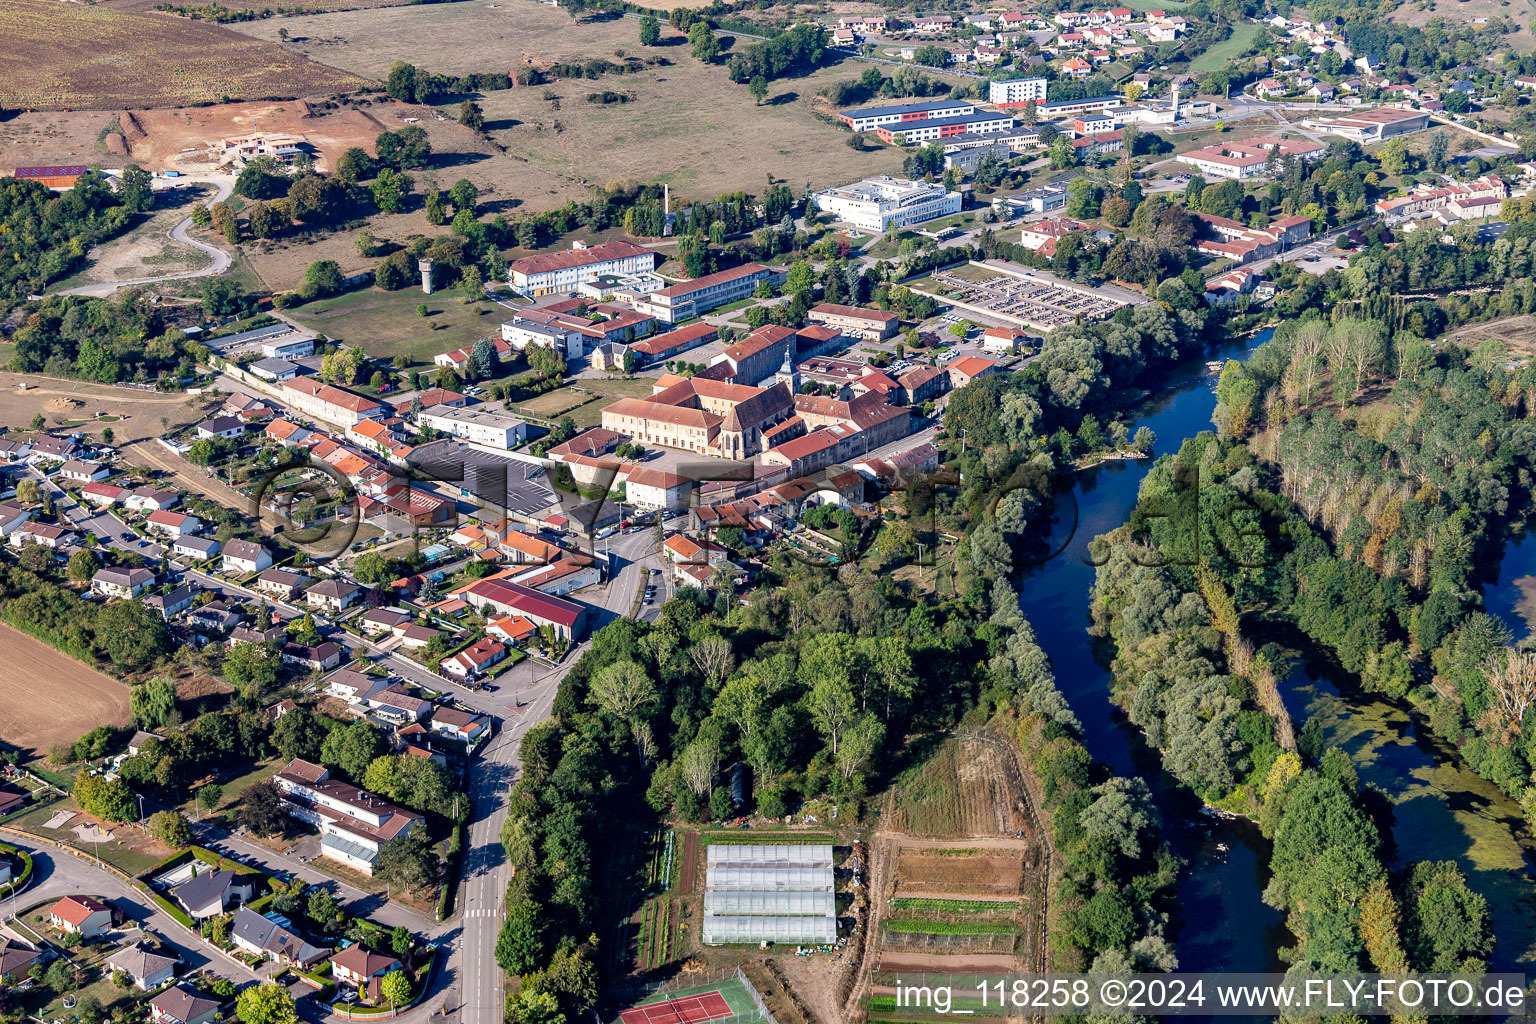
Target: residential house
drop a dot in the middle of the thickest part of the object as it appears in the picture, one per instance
(465, 726)
(46, 534)
(173, 524)
(377, 621)
(215, 616)
(512, 629)
(476, 659)
(967, 368)
(923, 383)
(199, 549)
(173, 603)
(394, 703)
(272, 937)
(49, 448)
(317, 659)
(220, 426)
(16, 959)
(245, 556)
(121, 582)
(151, 499)
(1003, 340)
(102, 495)
(333, 594)
(353, 823)
(80, 471)
(146, 968)
(137, 741)
(85, 916)
(281, 582)
(209, 893)
(360, 966)
(12, 517)
(180, 1005)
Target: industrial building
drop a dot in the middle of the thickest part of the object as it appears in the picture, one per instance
(883, 202)
(870, 118)
(778, 893)
(1366, 126)
(561, 272)
(53, 177)
(1015, 92)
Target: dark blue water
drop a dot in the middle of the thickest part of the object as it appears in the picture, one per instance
(1224, 925)
(1511, 579)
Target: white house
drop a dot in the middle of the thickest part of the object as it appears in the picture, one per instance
(173, 524)
(121, 582)
(245, 556)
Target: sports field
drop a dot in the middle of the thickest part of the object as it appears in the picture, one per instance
(717, 1000)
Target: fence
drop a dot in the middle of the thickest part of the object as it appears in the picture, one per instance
(701, 980)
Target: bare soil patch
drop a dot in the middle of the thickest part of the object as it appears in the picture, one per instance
(1518, 333)
(971, 963)
(137, 413)
(180, 139)
(50, 697)
(690, 874)
(105, 56)
(920, 871)
(33, 139)
(971, 786)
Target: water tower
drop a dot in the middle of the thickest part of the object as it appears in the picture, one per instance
(426, 276)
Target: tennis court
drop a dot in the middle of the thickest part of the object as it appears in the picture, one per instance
(680, 1010)
(727, 999)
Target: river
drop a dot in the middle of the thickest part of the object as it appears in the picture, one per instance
(1225, 926)
(1439, 809)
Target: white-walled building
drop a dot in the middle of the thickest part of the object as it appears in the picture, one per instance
(353, 822)
(477, 426)
(1015, 92)
(881, 203)
(559, 272)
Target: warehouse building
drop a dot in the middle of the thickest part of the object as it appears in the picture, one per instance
(1015, 92)
(780, 893)
(561, 272)
(883, 202)
(52, 177)
(870, 118)
(1366, 126)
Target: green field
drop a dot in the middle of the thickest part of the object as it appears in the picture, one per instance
(1228, 49)
(584, 400)
(386, 324)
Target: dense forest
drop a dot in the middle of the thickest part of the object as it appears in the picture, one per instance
(45, 234)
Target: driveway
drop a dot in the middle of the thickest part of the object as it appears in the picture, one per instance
(224, 184)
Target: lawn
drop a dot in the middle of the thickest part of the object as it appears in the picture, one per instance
(386, 324)
(584, 400)
(234, 787)
(130, 851)
(1228, 49)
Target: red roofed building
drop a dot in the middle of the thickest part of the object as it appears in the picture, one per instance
(476, 659)
(567, 618)
(85, 916)
(864, 323)
(662, 347)
(966, 369)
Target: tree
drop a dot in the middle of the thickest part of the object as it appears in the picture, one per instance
(322, 908)
(702, 39)
(209, 795)
(759, 88)
(171, 829)
(153, 702)
(407, 861)
(83, 564)
(389, 190)
(355, 165)
(252, 668)
(519, 944)
(471, 116)
(464, 195)
(131, 635)
(322, 278)
(395, 988)
(650, 33)
(261, 808)
(267, 1003)
(352, 748)
(135, 188)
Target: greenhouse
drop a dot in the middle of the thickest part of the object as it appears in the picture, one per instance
(769, 893)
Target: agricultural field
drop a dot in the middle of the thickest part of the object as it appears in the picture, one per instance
(80, 56)
(968, 787)
(683, 125)
(54, 137)
(76, 700)
(1242, 37)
